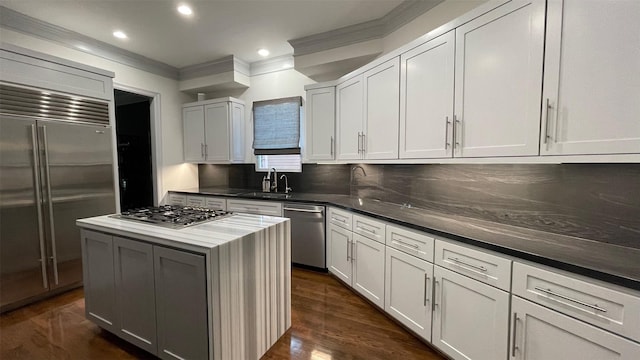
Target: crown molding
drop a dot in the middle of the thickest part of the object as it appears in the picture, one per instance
(399, 16)
(22, 23)
(275, 64)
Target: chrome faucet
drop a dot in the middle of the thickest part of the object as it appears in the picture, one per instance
(359, 167)
(274, 184)
(287, 189)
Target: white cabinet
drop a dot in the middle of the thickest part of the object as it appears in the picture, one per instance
(368, 268)
(381, 111)
(408, 291)
(269, 208)
(498, 81)
(368, 114)
(539, 333)
(470, 319)
(356, 259)
(426, 99)
(320, 124)
(209, 202)
(214, 131)
(592, 78)
(177, 199)
(339, 250)
(349, 117)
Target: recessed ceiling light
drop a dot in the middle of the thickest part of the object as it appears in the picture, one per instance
(185, 10)
(119, 34)
(263, 52)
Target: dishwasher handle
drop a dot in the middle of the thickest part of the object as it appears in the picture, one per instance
(304, 210)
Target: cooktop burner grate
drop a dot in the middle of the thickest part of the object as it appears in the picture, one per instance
(172, 216)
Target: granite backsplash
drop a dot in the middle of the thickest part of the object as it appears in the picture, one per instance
(594, 201)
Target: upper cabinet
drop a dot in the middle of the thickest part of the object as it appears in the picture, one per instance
(368, 114)
(381, 111)
(349, 104)
(592, 78)
(498, 81)
(426, 99)
(214, 131)
(320, 124)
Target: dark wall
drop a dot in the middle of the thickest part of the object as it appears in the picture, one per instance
(595, 201)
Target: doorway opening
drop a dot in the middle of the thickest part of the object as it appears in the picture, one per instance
(133, 134)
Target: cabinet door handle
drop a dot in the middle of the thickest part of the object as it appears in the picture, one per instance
(426, 285)
(353, 250)
(363, 142)
(460, 262)
(405, 244)
(546, 122)
(331, 146)
(513, 339)
(446, 132)
(435, 294)
(202, 149)
(579, 302)
(348, 246)
(457, 131)
(359, 138)
(340, 220)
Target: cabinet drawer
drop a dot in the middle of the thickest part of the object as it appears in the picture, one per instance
(610, 309)
(177, 199)
(411, 242)
(340, 218)
(368, 227)
(215, 203)
(478, 264)
(255, 207)
(195, 201)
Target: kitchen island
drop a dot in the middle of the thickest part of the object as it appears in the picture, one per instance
(217, 290)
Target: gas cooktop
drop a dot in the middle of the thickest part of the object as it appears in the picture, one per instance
(172, 216)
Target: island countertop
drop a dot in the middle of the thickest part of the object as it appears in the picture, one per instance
(205, 235)
(607, 262)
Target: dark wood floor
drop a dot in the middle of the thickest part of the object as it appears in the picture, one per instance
(328, 322)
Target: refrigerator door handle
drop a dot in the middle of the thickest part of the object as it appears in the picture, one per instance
(54, 256)
(36, 161)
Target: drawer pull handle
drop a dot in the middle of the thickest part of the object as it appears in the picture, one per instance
(553, 293)
(341, 220)
(460, 262)
(366, 230)
(402, 243)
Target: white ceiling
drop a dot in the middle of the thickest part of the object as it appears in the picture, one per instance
(218, 28)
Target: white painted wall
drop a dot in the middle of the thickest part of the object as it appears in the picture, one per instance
(439, 15)
(173, 173)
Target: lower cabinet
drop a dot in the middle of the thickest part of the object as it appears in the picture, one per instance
(339, 252)
(151, 296)
(181, 304)
(135, 297)
(470, 319)
(368, 268)
(539, 333)
(408, 291)
(358, 261)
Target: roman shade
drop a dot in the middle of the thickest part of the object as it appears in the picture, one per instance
(276, 126)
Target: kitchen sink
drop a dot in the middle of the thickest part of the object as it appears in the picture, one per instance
(266, 195)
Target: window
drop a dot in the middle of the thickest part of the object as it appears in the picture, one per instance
(276, 126)
(282, 163)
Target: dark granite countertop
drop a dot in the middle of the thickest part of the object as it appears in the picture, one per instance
(611, 263)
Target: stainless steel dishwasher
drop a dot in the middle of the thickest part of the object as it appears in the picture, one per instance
(307, 235)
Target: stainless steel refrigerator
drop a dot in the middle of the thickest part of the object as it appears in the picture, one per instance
(56, 165)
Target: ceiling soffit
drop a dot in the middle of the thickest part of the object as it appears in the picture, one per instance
(374, 29)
